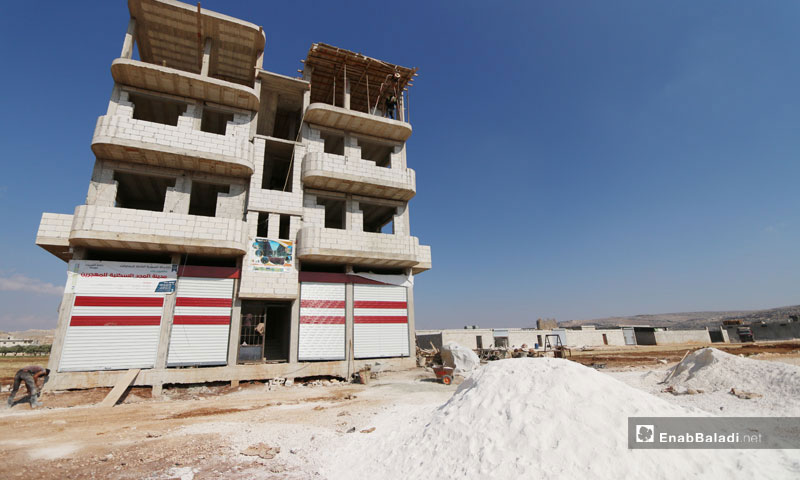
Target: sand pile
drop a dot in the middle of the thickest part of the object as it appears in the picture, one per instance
(534, 418)
(713, 370)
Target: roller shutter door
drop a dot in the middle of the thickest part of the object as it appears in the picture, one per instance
(201, 323)
(380, 321)
(322, 315)
(112, 333)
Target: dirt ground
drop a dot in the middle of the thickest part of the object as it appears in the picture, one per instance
(641, 355)
(145, 438)
(200, 432)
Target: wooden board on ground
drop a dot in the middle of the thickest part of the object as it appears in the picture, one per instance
(123, 383)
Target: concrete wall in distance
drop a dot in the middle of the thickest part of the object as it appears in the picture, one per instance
(468, 337)
(667, 337)
(774, 331)
(579, 338)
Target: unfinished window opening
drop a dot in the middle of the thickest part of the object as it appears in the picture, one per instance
(378, 270)
(215, 121)
(479, 341)
(334, 143)
(322, 267)
(283, 231)
(141, 192)
(127, 256)
(203, 200)
(263, 225)
(378, 218)
(286, 123)
(277, 174)
(334, 211)
(379, 153)
(156, 110)
(539, 340)
(265, 330)
(207, 261)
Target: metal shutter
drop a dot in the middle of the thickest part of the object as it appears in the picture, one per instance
(112, 333)
(202, 320)
(380, 321)
(322, 314)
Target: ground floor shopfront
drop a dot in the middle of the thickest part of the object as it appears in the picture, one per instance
(184, 324)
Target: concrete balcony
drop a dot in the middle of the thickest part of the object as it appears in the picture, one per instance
(329, 245)
(173, 81)
(326, 171)
(110, 227)
(122, 137)
(53, 234)
(357, 122)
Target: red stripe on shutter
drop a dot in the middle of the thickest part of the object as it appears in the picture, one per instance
(377, 319)
(201, 320)
(324, 320)
(321, 304)
(82, 301)
(113, 321)
(203, 302)
(378, 304)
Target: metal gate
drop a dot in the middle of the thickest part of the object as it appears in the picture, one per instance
(322, 316)
(202, 320)
(380, 321)
(630, 336)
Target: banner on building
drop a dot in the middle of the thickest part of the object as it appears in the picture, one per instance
(96, 277)
(271, 255)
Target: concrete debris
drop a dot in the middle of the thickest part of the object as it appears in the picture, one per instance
(368, 430)
(261, 450)
(745, 395)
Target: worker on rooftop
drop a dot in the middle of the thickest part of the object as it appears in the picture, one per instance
(30, 375)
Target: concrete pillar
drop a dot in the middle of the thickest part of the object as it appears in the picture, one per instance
(294, 327)
(178, 197)
(166, 322)
(401, 110)
(346, 90)
(206, 58)
(412, 338)
(274, 225)
(306, 99)
(267, 121)
(254, 118)
(402, 225)
(236, 326)
(348, 323)
(64, 312)
(130, 40)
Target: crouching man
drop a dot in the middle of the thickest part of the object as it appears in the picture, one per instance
(30, 375)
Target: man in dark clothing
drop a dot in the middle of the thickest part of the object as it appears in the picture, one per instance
(30, 375)
(391, 102)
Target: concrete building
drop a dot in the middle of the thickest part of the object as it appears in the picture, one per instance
(475, 338)
(240, 220)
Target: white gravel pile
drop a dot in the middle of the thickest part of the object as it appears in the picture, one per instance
(538, 418)
(712, 370)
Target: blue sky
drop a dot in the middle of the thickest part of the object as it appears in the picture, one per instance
(574, 159)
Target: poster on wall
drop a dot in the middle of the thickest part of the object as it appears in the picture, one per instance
(271, 255)
(120, 278)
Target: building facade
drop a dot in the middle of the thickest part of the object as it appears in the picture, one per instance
(239, 222)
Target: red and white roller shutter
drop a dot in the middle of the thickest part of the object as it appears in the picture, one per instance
(322, 315)
(380, 321)
(115, 317)
(202, 320)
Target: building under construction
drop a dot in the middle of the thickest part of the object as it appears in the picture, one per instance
(239, 224)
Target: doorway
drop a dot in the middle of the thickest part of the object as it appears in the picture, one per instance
(265, 331)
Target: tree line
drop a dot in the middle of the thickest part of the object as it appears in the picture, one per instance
(25, 350)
